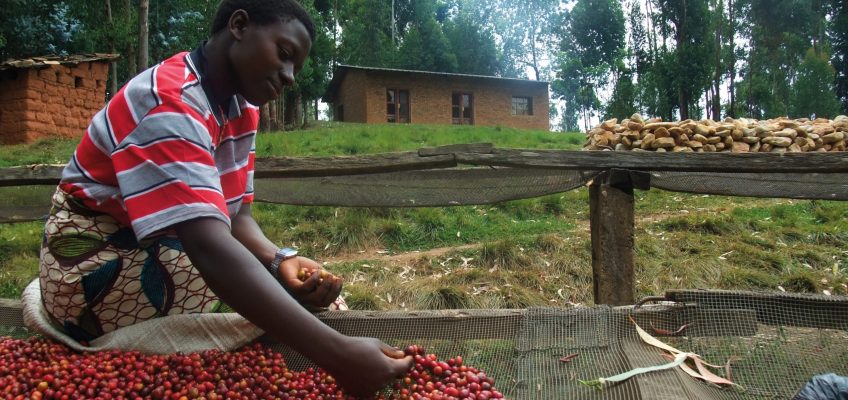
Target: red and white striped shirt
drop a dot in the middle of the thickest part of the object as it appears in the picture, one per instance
(162, 152)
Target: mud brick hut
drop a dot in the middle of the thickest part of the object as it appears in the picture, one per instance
(51, 96)
(383, 95)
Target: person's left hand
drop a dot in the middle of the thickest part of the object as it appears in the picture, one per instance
(315, 291)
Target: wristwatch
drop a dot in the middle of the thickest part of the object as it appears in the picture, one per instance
(282, 254)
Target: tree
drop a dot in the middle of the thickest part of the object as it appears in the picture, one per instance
(143, 34)
(32, 28)
(590, 50)
(779, 35)
(366, 43)
(473, 45)
(526, 33)
(814, 92)
(838, 35)
(312, 81)
(113, 66)
(425, 46)
(623, 102)
(689, 22)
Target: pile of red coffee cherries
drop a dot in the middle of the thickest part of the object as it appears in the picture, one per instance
(39, 369)
(451, 379)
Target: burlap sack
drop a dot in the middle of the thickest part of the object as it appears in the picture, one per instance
(169, 334)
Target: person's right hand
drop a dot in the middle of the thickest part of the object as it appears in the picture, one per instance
(368, 365)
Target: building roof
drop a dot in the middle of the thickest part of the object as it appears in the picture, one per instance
(38, 62)
(341, 70)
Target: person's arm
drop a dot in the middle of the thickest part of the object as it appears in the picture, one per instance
(360, 365)
(312, 291)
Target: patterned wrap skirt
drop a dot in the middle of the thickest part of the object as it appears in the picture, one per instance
(97, 277)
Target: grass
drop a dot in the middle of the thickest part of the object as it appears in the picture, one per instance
(523, 253)
(334, 138)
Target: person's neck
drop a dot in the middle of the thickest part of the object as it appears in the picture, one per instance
(218, 69)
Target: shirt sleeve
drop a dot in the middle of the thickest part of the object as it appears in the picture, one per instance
(166, 171)
(251, 161)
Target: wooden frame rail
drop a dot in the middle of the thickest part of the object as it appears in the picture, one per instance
(611, 193)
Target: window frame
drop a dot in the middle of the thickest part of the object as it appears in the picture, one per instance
(454, 107)
(397, 108)
(528, 106)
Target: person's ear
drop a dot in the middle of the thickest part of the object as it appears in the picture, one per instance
(238, 23)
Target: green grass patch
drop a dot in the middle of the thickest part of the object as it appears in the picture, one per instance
(20, 245)
(335, 138)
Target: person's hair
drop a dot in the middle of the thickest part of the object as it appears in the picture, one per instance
(263, 12)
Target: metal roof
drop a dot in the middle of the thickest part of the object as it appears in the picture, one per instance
(341, 70)
(37, 62)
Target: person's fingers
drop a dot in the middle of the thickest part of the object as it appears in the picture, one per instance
(402, 365)
(288, 273)
(391, 351)
(336, 288)
(312, 282)
(324, 291)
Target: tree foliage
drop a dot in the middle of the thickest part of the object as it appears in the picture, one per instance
(604, 58)
(814, 93)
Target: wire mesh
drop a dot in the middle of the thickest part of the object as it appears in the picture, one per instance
(444, 187)
(786, 185)
(775, 343)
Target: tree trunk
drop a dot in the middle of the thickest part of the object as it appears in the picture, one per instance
(683, 104)
(130, 56)
(533, 50)
(273, 119)
(291, 114)
(143, 34)
(652, 34)
(316, 109)
(281, 111)
(732, 62)
(680, 37)
(113, 66)
(303, 105)
(716, 104)
(264, 118)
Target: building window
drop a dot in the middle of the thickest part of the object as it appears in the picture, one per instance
(522, 105)
(462, 105)
(397, 106)
(340, 113)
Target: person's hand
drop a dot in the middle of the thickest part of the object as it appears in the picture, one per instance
(315, 291)
(368, 365)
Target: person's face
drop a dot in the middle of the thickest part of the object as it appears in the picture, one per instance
(266, 58)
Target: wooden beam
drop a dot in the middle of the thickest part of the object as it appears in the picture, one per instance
(480, 148)
(429, 324)
(40, 174)
(483, 154)
(611, 210)
(282, 167)
(651, 161)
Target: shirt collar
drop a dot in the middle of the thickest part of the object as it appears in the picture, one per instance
(198, 64)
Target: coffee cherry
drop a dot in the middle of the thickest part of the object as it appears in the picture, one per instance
(38, 369)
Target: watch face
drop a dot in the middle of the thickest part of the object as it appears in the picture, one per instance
(288, 252)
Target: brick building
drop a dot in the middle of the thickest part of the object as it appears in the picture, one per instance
(381, 95)
(51, 96)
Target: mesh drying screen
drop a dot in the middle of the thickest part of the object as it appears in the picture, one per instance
(444, 187)
(795, 186)
(25, 203)
(775, 341)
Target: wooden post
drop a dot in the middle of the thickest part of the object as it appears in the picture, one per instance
(611, 209)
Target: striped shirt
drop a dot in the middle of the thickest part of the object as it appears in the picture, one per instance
(162, 151)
